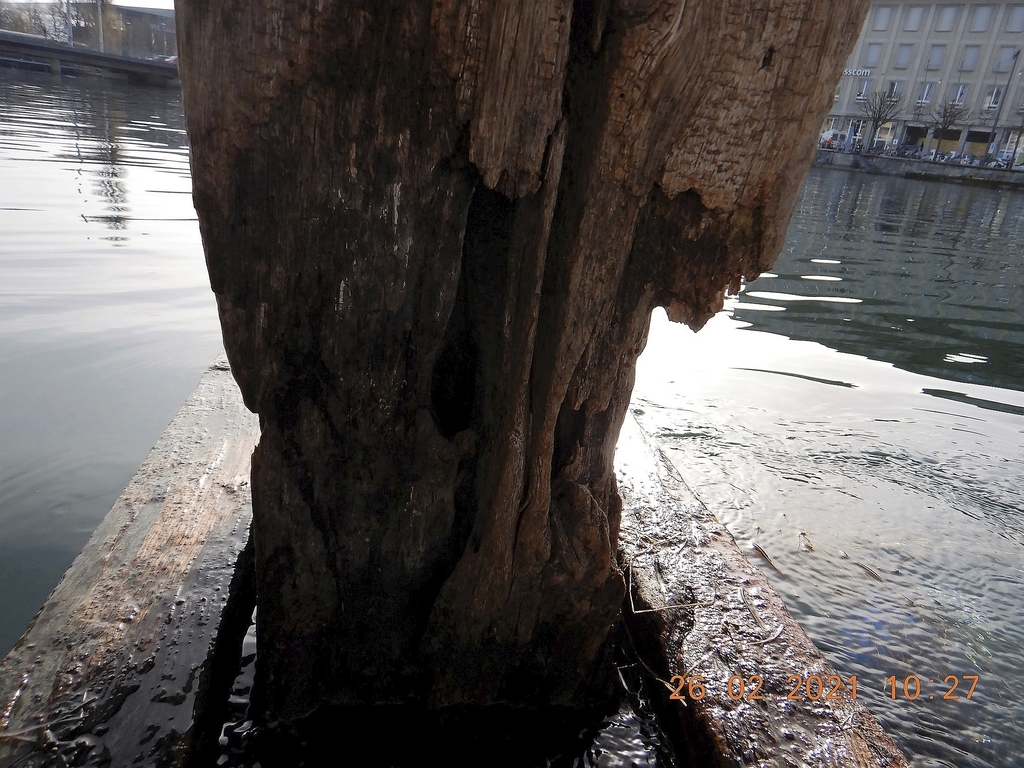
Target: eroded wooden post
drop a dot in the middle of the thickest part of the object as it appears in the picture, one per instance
(436, 231)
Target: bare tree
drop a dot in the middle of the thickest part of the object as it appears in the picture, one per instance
(37, 21)
(879, 108)
(945, 117)
(58, 21)
(1018, 127)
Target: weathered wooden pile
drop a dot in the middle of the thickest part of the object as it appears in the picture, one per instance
(436, 230)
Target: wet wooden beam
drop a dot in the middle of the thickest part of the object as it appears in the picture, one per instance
(699, 610)
(121, 664)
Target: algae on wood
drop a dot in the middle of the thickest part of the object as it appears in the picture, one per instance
(436, 230)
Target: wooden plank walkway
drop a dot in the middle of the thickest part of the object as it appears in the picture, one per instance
(120, 665)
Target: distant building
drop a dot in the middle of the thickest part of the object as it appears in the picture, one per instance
(138, 33)
(932, 55)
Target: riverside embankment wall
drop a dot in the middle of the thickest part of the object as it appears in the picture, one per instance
(921, 169)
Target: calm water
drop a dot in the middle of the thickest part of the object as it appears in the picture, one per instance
(868, 395)
(106, 316)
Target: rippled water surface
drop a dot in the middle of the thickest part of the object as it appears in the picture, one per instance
(106, 316)
(859, 414)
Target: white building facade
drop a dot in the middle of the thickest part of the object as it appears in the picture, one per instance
(931, 55)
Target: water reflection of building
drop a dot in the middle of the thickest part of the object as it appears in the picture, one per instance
(922, 275)
(931, 55)
(102, 129)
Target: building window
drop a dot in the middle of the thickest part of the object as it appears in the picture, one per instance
(903, 56)
(872, 55)
(914, 18)
(1015, 19)
(935, 56)
(946, 18)
(883, 15)
(959, 94)
(970, 58)
(993, 97)
(981, 18)
(863, 90)
(893, 91)
(924, 94)
(1004, 61)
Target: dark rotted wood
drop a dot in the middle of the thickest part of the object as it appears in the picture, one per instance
(731, 623)
(121, 664)
(436, 230)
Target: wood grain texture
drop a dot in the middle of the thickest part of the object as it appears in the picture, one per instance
(436, 230)
(116, 666)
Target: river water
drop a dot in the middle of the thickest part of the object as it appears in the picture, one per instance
(858, 413)
(106, 316)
